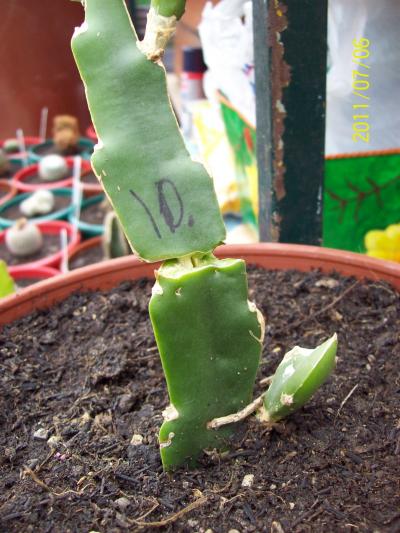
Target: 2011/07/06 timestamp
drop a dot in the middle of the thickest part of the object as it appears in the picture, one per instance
(360, 86)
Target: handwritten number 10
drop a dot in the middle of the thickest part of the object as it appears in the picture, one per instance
(172, 221)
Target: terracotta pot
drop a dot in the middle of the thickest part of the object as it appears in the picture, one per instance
(23, 174)
(108, 274)
(9, 189)
(51, 228)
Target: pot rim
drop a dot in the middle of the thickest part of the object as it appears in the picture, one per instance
(11, 191)
(19, 178)
(108, 274)
(86, 144)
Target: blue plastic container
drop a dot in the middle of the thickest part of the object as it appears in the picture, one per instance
(88, 230)
(85, 144)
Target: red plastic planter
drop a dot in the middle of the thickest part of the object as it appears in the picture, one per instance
(109, 274)
(51, 228)
(10, 190)
(90, 132)
(40, 273)
(29, 141)
(23, 174)
(90, 189)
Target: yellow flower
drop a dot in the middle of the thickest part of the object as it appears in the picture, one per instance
(384, 244)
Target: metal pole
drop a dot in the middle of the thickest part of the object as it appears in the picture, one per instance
(262, 63)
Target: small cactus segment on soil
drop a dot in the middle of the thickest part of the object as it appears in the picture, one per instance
(209, 337)
(166, 203)
(301, 372)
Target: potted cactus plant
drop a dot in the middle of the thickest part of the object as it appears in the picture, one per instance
(169, 212)
(209, 337)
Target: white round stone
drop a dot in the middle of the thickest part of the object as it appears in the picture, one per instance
(52, 167)
(23, 239)
(41, 202)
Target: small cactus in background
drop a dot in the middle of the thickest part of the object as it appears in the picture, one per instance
(65, 133)
(208, 334)
(23, 238)
(11, 146)
(114, 240)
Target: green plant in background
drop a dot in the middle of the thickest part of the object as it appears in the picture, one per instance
(113, 240)
(7, 286)
(209, 335)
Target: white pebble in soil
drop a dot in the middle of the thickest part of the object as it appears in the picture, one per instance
(41, 202)
(41, 434)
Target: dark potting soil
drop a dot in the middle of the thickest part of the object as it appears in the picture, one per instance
(51, 245)
(35, 179)
(86, 374)
(90, 178)
(14, 167)
(87, 256)
(13, 212)
(94, 214)
(26, 282)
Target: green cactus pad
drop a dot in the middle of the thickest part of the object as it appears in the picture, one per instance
(166, 203)
(209, 339)
(7, 286)
(301, 372)
(169, 8)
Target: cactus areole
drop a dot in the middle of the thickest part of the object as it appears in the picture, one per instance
(208, 334)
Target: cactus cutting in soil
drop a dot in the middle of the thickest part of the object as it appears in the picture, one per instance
(208, 334)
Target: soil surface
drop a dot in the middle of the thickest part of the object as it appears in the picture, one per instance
(51, 245)
(14, 167)
(34, 179)
(26, 282)
(50, 149)
(87, 256)
(13, 212)
(78, 381)
(95, 213)
(90, 177)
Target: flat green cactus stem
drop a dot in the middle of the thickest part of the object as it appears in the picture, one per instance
(301, 372)
(169, 8)
(166, 203)
(7, 286)
(209, 337)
